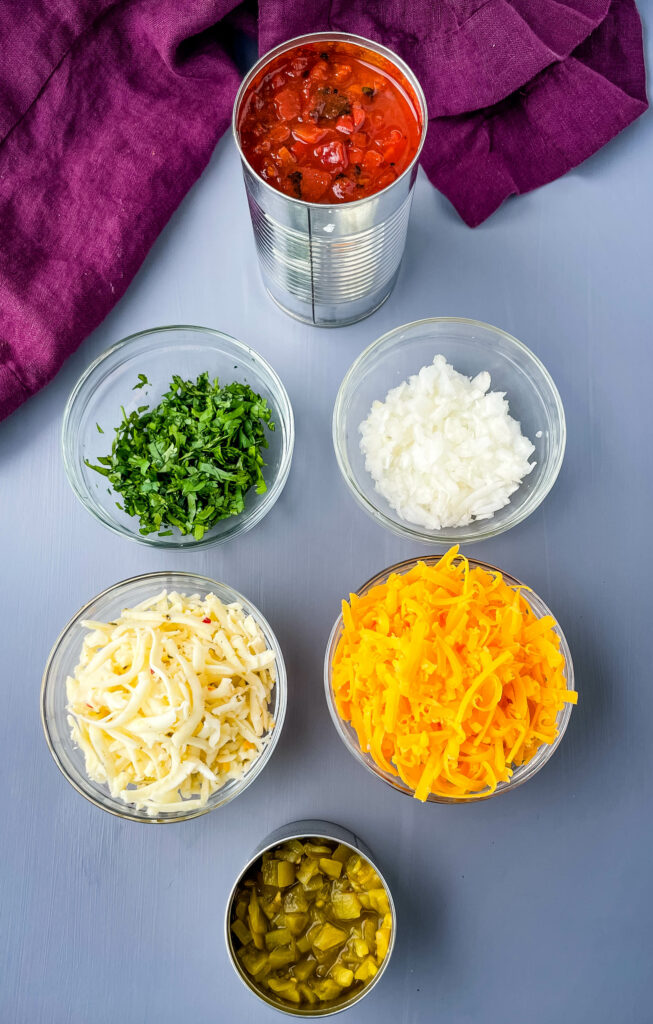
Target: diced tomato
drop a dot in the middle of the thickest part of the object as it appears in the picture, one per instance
(390, 138)
(298, 65)
(372, 160)
(286, 159)
(332, 155)
(345, 124)
(278, 81)
(358, 115)
(339, 72)
(300, 150)
(319, 72)
(344, 188)
(385, 179)
(308, 133)
(280, 133)
(355, 155)
(391, 145)
(359, 139)
(314, 184)
(287, 104)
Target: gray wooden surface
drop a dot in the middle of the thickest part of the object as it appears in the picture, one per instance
(530, 908)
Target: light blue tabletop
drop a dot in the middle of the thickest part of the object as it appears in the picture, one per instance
(531, 908)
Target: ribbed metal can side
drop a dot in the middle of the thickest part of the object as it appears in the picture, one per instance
(284, 256)
(324, 272)
(356, 267)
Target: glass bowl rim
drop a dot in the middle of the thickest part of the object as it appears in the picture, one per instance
(415, 532)
(281, 683)
(331, 35)
(527, 770)
(247, 521)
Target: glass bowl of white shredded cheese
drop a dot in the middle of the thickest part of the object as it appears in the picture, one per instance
(164, 697)
(448, 430)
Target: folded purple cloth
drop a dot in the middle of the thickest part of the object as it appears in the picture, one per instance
(109, 111)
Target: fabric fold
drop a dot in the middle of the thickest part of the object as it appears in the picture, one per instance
(557, 120)
(474, 54)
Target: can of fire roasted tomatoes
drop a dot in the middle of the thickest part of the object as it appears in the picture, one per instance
(329, 127)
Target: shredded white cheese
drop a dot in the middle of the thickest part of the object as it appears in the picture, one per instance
(171, 700)
(443, 449)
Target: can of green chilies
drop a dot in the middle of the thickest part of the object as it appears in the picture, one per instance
(311, 830)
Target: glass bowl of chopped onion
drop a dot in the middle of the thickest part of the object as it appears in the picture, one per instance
(178, 437)
(448, 430)
(164, 697)
(361, 695)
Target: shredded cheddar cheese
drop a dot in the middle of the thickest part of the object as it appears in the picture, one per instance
(449, 678)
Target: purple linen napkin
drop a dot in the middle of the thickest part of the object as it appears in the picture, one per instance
(109, 116)
(109, 111)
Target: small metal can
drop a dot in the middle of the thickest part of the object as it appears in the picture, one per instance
(330, 265)
(307, 829)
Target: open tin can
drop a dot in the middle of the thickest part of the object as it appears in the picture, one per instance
(330, 265)
(308, 829)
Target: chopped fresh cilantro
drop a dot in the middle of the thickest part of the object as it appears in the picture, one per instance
(190, 461)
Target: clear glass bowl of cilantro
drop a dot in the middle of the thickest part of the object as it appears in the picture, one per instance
(178, 437)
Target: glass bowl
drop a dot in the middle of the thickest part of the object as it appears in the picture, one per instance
(470, 347)
(108, 384)
(64, 657)
(348, 736)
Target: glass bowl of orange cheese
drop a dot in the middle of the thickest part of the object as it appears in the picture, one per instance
(449, 679)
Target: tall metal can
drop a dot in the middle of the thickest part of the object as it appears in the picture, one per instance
(330, 265)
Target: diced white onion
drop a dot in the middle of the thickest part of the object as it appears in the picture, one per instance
(443, 450)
